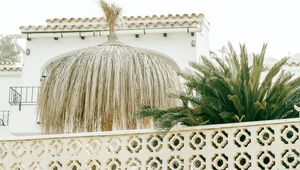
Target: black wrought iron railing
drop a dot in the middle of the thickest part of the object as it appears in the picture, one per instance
(4, 117)
(19, 95)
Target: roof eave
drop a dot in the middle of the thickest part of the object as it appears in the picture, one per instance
(169, 29)
(97, 32)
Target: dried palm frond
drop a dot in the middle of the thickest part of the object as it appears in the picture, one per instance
(111, 12)
(101, 88)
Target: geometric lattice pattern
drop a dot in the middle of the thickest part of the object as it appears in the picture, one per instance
(267, 145)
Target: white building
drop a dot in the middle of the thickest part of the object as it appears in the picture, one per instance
(182, 37)
(248, 145)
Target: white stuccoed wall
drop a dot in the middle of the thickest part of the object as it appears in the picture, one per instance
(7, 79)
(177, 45)
(202, 43)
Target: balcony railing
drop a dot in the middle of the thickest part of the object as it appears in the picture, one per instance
(4, 117)
(262, 145)
(19, 95)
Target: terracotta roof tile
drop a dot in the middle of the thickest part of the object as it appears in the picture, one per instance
(6, 63)
(126, 22)
(9, 66)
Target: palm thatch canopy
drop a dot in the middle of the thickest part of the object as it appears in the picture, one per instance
(101, 88)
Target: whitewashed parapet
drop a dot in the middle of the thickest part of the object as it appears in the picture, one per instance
(241, 146)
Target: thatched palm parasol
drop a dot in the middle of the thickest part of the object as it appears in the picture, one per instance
(100, 88)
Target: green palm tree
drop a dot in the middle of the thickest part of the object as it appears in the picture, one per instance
(232, 90)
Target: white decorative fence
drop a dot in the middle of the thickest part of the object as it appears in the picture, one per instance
(242, 146)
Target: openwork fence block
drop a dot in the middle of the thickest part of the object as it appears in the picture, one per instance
(243, 146)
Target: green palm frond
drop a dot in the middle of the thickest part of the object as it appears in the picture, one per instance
(231, 90)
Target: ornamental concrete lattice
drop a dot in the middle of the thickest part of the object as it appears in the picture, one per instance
(261, 145)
